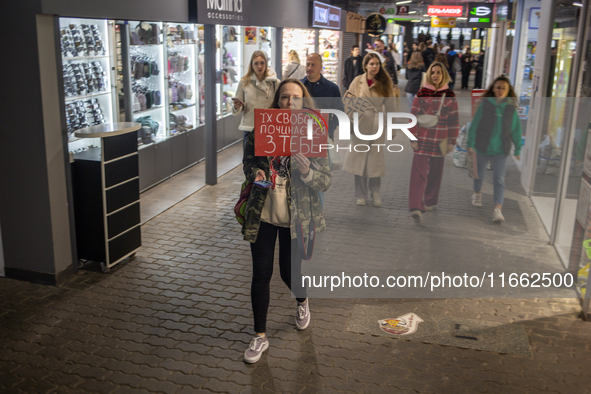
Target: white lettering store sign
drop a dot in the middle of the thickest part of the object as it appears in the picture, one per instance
(223, 12)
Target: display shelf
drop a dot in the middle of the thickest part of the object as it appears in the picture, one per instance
(84, 57)
(74, 98)
(184, 108)
(149, 110)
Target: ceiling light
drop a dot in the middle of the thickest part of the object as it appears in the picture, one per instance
(577, 4)
(403, 2)
(416, 20)
(425, 14)
(462, 19)
(412, 12)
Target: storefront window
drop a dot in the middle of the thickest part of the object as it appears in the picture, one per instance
(228, 65)
(182, 77)
(329, 50)
(86, 64)
(303, 41)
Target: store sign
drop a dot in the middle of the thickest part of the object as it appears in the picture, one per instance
(476, 97)
(534, 18)
(283, 132)
(375, 25)
(480, 15)
(475, 45)
(399, 10)
(445, 10)
(223, 12)
(402, 10)
(441, 21)
(325, 16)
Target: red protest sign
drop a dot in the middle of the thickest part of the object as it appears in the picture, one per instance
(283, 132)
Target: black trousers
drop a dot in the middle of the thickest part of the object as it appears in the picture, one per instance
(465, 78)
(263, 251)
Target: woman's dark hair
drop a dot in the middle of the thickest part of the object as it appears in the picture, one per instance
(308, 101)
(441, 58)
(383, 82)
(511, 95)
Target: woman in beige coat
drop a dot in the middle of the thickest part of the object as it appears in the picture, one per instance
(368, 167)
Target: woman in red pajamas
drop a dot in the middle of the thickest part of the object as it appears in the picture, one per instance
(427, 164)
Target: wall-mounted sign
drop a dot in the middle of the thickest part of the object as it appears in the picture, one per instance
(325, 16)
(223, 12)
(445, 10)
(480, 15)
(534, 18)
(475, 45)
(387, 11)
(355, 23)
(441, 21)
(375, 25)
(402, 10)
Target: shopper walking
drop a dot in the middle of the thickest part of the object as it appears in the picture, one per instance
(353, 67)
(268, 216)
(389, 64)
(452, 58)
(427, 164)
(293, 68)
(495, 126)
(368, 167)
(414, 75)
(255, 90)
(397, 56)
(467, 61)
(428, 54)
(479, 67)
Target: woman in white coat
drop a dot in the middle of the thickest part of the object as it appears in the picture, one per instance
(255, 90)
(368, 167)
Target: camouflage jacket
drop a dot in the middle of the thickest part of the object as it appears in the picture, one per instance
(305, 205)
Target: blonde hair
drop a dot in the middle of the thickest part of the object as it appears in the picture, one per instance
(293, 56)
(445, 75)
(246, 79)
(422, 46)
(416, 60)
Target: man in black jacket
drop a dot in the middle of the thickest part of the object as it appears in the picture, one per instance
(353, 67)
(389, 64)
(429, 55)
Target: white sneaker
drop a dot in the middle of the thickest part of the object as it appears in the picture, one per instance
(256, 348)
(498, 216)
(303, 315)
(377, 200)
(361, 201)
(477, 199)
(416, 215)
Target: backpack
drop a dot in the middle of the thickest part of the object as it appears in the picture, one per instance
(240, 207)
(457, 65)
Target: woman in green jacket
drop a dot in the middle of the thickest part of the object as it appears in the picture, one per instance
(495, 126)
(291, 202)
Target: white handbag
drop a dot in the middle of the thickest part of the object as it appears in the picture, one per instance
(428, 121)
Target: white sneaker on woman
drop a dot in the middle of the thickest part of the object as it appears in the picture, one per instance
(498, 216)
(256, 348)
(477, 199)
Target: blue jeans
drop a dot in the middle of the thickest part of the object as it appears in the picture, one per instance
(410, 98)
(499, 163)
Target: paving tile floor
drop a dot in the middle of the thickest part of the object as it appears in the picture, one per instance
(177, 318)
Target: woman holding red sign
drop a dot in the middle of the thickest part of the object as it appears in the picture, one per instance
(255, 90)
(368, 167)
(270, 214)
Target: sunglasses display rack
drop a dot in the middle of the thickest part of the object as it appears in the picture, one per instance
(148, 71)
(182, 94)
(329, 50)
(86, 69)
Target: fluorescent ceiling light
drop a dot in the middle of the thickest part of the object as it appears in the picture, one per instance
(462, 19)
(416, 20)
(425, 14)
(404, 2)
(412, 12)
(577, 4)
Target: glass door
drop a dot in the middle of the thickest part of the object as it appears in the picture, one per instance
(228, 65)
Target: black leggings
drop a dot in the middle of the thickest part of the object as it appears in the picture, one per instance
(262, 270)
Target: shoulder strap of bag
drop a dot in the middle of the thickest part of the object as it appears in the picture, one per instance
(441, 104)
(294, 70)
(306, 248)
